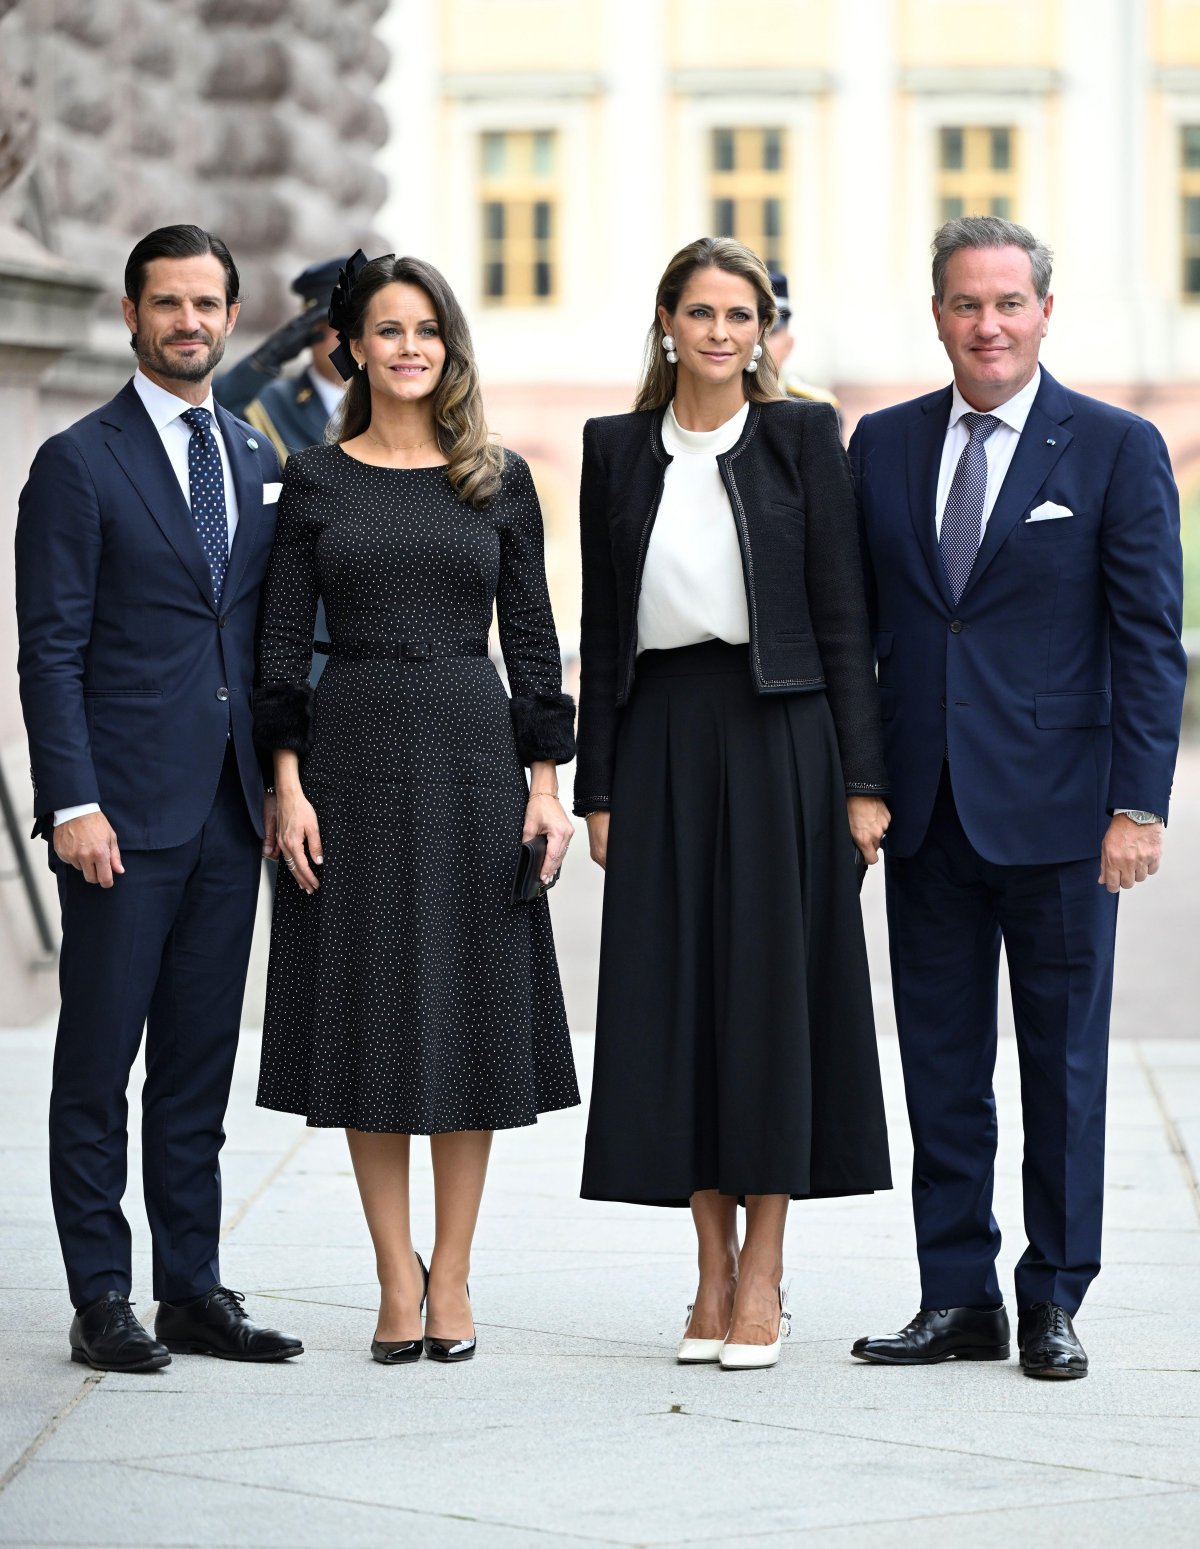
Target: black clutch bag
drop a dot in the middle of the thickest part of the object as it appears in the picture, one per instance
(528, 884)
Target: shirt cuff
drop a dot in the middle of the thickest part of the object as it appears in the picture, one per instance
(67, 813)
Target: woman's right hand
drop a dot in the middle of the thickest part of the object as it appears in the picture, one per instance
(597, 824)
(299, 838)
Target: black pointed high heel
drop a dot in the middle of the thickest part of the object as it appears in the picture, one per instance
(399, 1352)
(448, 1350)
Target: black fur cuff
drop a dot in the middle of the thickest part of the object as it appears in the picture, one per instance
(283, 718)
(545, 727)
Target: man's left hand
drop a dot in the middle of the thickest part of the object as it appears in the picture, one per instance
(270, 844)
(1130, 852)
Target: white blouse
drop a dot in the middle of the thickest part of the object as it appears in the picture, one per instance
(692, 584)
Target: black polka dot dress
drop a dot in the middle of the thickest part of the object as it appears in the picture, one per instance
(409, 994)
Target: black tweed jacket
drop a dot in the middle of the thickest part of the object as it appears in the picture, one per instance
(792, 499)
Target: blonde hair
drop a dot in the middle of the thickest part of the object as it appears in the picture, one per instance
(657, 385)
(475, 461)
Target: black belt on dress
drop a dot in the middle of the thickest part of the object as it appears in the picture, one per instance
(401, 650)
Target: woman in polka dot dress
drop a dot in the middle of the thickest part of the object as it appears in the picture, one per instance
(407, 994)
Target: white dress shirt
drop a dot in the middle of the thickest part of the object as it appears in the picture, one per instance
(999, 446)
(692, 583)
(330, 393)
(165, 409)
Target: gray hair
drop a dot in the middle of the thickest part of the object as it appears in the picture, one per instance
(989, 231)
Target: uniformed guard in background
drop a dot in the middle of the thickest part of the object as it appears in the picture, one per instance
(293, 411)
(781, 342)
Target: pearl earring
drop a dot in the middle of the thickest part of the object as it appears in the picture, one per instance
(668, 344)
(752, 363)
(362, 365)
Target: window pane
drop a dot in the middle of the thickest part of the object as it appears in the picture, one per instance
(541, 279)
(772, 218)
(1002, 208)
(493, 154)
(723, 217)
(493, 279)
(1001, 149)
(1191, 276)
(1191, 217)
(772, 150)
(541, 220)
(1191, 145)
(493, 220)
(952, 149)
(543, 153)
(723, 150)
(952, 209)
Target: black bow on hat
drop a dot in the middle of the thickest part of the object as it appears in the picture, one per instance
(340, 313)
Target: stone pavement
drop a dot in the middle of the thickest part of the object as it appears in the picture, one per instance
(574, 1425)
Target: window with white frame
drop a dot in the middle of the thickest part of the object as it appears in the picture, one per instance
(519, 216)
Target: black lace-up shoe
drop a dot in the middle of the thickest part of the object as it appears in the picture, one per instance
(108, 1336)
(1048, 1344)
(954, 1333)
(216, 1324)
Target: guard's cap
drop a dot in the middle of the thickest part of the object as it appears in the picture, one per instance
(316, 282)
(779, 285)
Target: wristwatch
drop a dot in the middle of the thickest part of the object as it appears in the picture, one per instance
(1135, 815)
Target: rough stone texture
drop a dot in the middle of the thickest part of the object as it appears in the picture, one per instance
(254, 118)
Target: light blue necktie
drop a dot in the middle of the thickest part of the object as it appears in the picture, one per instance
(206, 483)
(962, 520)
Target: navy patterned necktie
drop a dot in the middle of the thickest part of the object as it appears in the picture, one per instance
(206, 482)
(962, 520)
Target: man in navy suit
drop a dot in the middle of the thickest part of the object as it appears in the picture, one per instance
(142, 541)
(1025, 577)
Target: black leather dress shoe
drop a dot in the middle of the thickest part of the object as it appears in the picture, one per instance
(216, 1324)
(400, 1352)
(954, 1333)
(108, 1336)
(1048, 1344)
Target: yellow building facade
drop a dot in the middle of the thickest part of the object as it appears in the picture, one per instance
(550, 156)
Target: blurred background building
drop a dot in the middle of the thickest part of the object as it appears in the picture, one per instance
(549, 156)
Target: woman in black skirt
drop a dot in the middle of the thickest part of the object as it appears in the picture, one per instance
(729, 726)
(407, 993)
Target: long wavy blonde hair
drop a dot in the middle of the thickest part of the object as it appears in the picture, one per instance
(475, 460)
(657, 385)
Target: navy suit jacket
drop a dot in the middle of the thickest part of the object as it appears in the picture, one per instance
(1055, 684)
(132, 680)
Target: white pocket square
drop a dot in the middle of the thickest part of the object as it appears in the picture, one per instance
(271, 493)
(1049, 511)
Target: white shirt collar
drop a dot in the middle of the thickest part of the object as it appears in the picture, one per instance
(1014, 413)
(330, 393)
(162, 406)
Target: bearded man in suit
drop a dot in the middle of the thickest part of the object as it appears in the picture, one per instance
(142, 542)
(1025, 578)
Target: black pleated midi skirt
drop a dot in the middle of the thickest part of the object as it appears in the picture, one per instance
(735, 1039)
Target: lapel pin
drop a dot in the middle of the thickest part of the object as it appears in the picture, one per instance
(253, 444)
(1050, 441)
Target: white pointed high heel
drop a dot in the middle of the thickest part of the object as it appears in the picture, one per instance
(696, 1352)
(743, 1358)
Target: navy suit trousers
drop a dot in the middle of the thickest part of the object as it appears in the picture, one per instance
(948, 911)
(164, 949)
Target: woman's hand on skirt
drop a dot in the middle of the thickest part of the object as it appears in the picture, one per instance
(544, 815)
(597, 826)
(869, 819)
(299, 839)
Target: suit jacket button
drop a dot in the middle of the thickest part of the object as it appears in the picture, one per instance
(222, 693)
(221, 621)
(956, 626)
